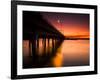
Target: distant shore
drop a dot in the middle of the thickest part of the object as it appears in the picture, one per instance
(77, 38)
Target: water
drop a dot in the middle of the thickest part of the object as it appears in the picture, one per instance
(53, 53)
(72, 53)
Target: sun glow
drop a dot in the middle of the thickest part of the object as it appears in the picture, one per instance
(70, 24)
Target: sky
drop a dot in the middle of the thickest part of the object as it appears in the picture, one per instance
(69, 24)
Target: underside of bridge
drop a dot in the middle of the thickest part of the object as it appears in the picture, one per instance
(36, 32)
(35, 25)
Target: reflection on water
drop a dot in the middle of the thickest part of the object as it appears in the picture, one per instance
(75, 52)
(55, 53)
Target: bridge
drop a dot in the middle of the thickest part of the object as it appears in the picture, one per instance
(35, 25)
(35, 29)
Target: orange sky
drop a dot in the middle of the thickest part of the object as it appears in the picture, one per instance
(69, 24)
(72, 31)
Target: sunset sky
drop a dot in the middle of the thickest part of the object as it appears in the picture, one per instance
(69, 24)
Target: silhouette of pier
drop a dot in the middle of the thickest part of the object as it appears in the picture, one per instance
(35, 25)
(43, 39)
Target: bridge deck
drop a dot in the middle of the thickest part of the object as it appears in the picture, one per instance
(35, 26)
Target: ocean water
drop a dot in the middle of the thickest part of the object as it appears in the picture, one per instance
(53, 53)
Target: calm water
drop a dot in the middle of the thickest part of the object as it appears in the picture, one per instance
(52, 53)
(73, 53)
